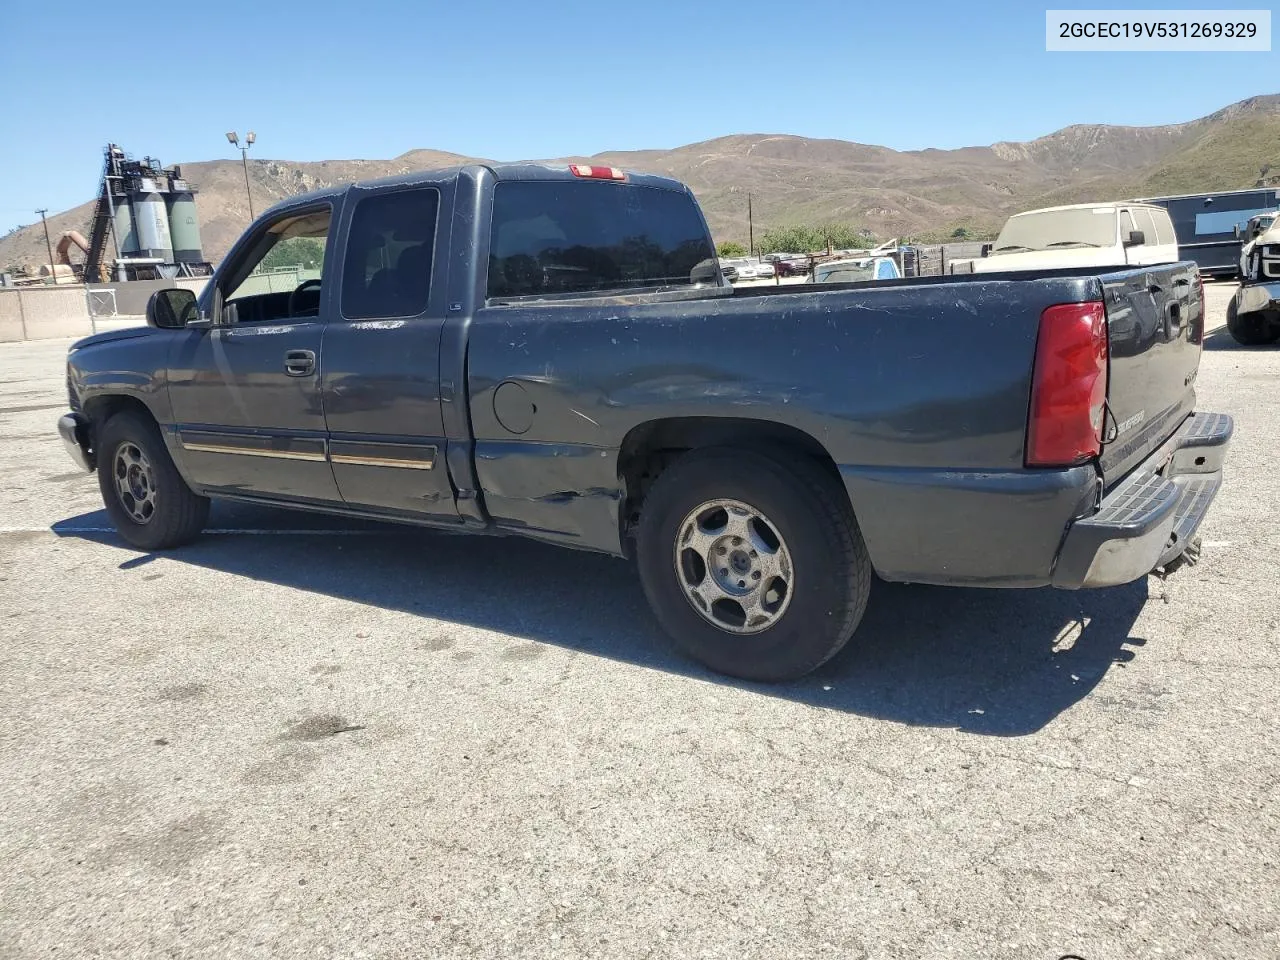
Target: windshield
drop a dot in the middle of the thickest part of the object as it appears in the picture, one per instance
(1058, 229)
(844, 272)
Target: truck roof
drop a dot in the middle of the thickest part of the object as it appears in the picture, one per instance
(1090, 206)
(1274, 188)
(500, 171)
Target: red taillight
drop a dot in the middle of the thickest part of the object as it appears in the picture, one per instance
(596, 173)
(1069, 386)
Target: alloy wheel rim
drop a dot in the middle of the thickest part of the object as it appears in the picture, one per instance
(134, 482)
(733, 566)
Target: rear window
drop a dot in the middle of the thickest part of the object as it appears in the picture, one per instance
(554, 237)
(844, 272)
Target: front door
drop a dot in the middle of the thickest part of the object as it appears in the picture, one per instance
(381, 379)
(246, 393)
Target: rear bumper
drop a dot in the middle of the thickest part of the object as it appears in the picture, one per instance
(1151, 516)
(1255, 297)
(74, 430)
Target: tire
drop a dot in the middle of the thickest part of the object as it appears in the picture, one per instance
(828, 572)
(156, 510)
(1248, 329)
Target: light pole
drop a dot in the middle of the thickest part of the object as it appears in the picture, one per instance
(53, 267)
(234, 139)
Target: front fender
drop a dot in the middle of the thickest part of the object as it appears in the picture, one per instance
(135, 368)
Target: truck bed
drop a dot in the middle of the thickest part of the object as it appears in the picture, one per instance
(917, 389)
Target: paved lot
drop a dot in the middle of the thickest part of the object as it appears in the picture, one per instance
(306, 738)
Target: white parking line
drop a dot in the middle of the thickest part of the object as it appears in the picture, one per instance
(225, 531)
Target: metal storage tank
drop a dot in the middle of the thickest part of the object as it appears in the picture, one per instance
(184, 227)
(126, 236)
(152, 221)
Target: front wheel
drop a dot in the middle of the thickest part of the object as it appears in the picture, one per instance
(753, 562)
(148, 501)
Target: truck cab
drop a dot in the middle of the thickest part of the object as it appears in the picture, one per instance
(1081, 235)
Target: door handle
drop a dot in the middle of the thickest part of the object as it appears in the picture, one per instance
(300, 363)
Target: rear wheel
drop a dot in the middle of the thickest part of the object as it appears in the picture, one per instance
(148, 501)
(1250, 329)
(753, 562)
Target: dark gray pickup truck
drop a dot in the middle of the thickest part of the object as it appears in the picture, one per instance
(553, 352)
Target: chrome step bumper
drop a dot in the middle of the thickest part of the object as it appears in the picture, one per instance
(1151, 516)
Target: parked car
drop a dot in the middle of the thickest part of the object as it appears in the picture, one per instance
(765, 270)
(792, 266)
(855, 270)
(738, 268)
(1082, 235)
(1253, 315)
(485, 351)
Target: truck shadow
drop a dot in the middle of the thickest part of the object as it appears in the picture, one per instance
(992, 662)
(1221, 339)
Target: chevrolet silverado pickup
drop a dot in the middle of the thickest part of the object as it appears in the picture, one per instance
(554, 353)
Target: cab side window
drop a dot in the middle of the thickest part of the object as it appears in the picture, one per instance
(1147, 224)
(1127, 225)
(282, 277)
(390, 248)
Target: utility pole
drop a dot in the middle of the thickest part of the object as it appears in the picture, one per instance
(751, 230)
(244, 159)
(53, 267)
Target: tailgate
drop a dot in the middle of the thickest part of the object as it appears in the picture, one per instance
(1155, 324)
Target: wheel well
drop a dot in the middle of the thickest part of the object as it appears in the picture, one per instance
(99, 410)
(651, 447)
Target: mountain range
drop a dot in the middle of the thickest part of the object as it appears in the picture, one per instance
(925, 194)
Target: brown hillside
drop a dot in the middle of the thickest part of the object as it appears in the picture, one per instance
(799, 180)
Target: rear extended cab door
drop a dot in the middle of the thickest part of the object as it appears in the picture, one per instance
(381, 384)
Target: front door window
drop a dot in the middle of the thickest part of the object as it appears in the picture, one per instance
(283, 277)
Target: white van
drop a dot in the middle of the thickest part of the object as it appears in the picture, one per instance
(1082, 235)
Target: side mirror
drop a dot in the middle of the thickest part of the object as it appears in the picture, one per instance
(986, 249)
(172, 309)
(1136, 238)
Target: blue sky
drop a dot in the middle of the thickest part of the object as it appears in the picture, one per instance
(511, 80)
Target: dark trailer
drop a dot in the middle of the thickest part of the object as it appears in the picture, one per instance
(1205, 224)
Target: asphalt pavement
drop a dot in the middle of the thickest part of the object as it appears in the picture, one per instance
(301, 737)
